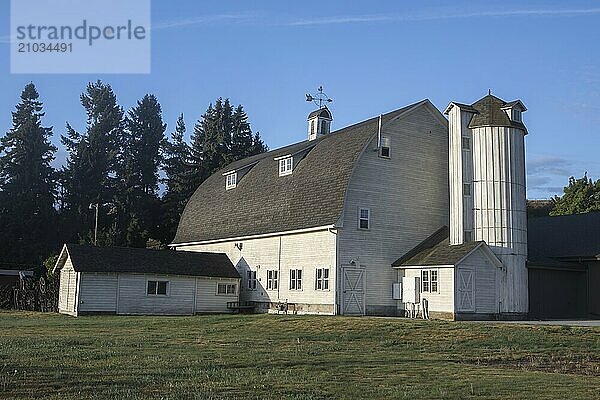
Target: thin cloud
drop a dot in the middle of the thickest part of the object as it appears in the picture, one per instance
(348, 19)
(208, 19)
(549, 165)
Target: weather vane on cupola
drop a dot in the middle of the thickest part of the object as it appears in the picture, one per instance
(320, 98)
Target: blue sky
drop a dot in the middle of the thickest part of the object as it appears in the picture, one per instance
(371, 57)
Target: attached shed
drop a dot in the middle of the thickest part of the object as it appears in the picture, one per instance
(564, 266)
(458, 281)
(120, 280)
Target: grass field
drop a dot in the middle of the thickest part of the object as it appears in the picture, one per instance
(291, 357)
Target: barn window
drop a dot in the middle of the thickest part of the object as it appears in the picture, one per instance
(468, 236)
(466, 143)
(251, 280)
(364, 218)
(322, 279)
(226, 288)
(157, 288)
(385, 147)
(272, 280)
(296, 279)
(231, 181)
(433, 276)
(425, 281)
(466, 189)
(429, 281)
(286, 166)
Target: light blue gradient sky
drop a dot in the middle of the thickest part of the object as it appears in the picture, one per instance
(371, 57)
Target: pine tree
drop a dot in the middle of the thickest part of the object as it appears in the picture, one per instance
(177, 154)
(27, 184)
(141, 158)
(89, 174)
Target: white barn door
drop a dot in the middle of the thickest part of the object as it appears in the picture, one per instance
(466, 290)
(353, 291)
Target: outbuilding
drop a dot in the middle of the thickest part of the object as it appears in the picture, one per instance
(458, 282)
(121, 280)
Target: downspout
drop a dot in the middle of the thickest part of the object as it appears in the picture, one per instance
(379, 133)
(279, 280)
(337, 272)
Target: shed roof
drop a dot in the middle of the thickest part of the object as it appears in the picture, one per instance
(263, 202)
(436, 250)
(131, 260)
(566, 236)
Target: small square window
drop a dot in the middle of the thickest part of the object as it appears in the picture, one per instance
(466, 189)
(226, 288)
(157, 288)
(364, 218)
(466, 143)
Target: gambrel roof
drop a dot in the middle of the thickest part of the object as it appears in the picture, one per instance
(264, 202)
(87, 258)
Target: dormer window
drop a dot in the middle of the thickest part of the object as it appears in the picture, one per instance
(517, 115)
(230, 181)
(286, 166)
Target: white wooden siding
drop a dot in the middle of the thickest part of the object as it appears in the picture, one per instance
(461, 172)
(134, 300)
(68, 289)
(486, 281)
(207, 299)
(97, 292)
(407, 195)
(306, 251)
(443, 300)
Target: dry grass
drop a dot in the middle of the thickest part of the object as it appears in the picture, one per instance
(291, 357)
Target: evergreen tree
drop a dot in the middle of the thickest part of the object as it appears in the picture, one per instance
(580, 196)
(138, 175)
(27, 184)
(177, 155)
(89, 174)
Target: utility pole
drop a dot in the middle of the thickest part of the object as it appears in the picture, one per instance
(97, 205)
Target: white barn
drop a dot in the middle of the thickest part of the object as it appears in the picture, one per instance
(336, 224)
(118, 280)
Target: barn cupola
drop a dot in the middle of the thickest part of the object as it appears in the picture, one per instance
(319, 123)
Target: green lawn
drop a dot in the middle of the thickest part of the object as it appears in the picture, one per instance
(291, 357)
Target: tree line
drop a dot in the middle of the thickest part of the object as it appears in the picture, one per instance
(121, 162)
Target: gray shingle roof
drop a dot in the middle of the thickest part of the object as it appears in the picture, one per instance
(568, 236)
(490, 113)
(436, 250)
(130, 260)
(263, 202)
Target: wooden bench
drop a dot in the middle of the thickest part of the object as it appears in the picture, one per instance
(241, 306)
